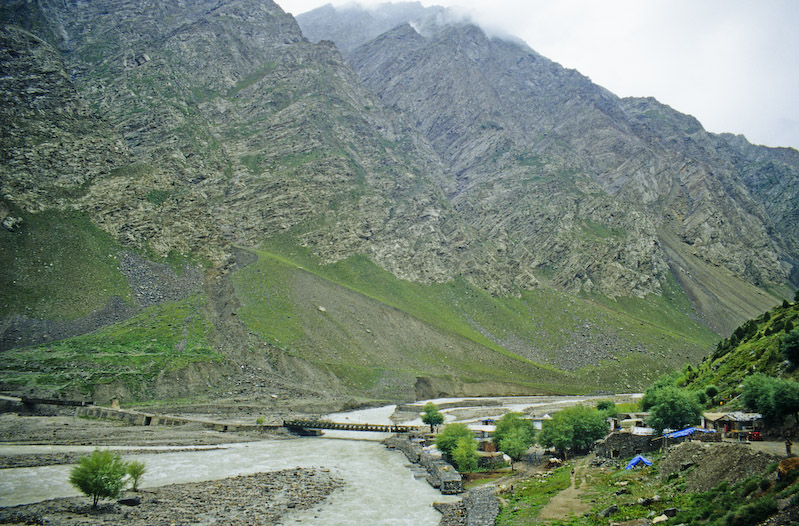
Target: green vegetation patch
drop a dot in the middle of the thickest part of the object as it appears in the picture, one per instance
(529, 496)
(347, 316)
(58, 265)
(161, 338)
(754, 346)
(507, 335)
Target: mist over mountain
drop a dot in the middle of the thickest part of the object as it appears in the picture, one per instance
(408, 207)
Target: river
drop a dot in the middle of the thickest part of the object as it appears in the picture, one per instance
(379, 488)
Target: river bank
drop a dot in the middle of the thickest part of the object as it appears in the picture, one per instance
(257, 499)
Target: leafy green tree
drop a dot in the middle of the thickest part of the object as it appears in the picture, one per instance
(511, 422)
(135, 469)
(786, 398)
(465, 454)
(757, 395)
(515, 444)
(99, 475)
(431, 416)
(650, 397)
(608, 407)
(789, 346)
(796, 296)
(674, 409)
(448, 438)
(711, 391)
(575, 428)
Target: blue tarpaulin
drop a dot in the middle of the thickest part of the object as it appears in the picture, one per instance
(688, 431)
(636, 460)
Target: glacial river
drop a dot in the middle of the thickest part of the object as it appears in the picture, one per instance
(379, 488)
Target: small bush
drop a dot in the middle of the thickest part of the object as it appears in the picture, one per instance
(99, 475)
(260, 420)
(751, 513)
(749, 486)
(135, 470)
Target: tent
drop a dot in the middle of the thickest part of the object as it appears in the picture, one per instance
(688, 431)
(637, 460)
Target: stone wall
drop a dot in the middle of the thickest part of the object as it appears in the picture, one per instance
(136, 418)
(625, 445)
(482, 507)
(440, 474)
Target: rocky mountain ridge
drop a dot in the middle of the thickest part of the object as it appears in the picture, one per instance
(513, 124)
(182, 130)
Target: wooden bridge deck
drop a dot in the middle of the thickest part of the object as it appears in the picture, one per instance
(323, 424)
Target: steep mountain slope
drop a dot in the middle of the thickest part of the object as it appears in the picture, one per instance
(197, 199)
(752, 347)
(627, 183)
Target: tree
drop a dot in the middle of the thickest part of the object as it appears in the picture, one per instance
(99, 475)
(511, 422)
(711, 391)
(757, 395)
(575, 428)
(786, 398)
(674, 409)
(465, 454)
(771, 397)
(515, 444)
(789, 346)
(448, 438)
(135, 470)
(432, 416)
(650, 397)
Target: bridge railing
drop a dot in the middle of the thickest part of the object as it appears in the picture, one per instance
(324, 424)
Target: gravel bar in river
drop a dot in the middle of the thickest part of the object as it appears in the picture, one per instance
(258, 499)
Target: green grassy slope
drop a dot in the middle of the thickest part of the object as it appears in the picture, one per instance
(132, 353)
(373, 329)
(754, 346)
(58, 265)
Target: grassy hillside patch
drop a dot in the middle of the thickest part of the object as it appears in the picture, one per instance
(671, 312)
(349, 317)
(754, 346)
(135, 352)
(58, 265)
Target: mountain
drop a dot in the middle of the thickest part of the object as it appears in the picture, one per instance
(199, 201)
(639, 188)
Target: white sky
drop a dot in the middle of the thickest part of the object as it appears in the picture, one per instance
(732, 64)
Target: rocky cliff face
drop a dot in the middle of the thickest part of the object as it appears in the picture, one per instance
(582, 187)
(190, 128)
(278, 135)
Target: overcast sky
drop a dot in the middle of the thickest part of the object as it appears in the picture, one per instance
(732, 64)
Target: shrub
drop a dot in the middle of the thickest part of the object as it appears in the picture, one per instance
(135, 470)
(752, 513)
(99, 475)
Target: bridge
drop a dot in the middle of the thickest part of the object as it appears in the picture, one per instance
(324, 424)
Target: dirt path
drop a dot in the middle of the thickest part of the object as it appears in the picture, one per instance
(568, 501)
